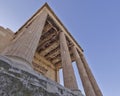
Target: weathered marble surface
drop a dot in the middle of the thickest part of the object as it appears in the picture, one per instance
(18, 82)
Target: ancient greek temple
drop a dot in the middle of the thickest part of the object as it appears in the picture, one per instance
(44, 45)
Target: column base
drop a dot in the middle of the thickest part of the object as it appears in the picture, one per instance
(78, 92)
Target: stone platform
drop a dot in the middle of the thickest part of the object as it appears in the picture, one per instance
(20, 82)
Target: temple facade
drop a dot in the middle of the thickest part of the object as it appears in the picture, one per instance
(44, 45)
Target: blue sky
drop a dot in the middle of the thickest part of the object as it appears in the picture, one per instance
(95, 24)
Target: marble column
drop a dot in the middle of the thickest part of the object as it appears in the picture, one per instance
(83, 75)
(91, 77)
(25, 45)
(68, 72)
(57, 76)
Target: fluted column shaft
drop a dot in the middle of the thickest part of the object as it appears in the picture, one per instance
(91, 77)
(25, 46)
(68, 72)
(84, 78)
(57, 76)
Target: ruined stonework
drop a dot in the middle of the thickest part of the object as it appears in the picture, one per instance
(17, 82)
(6, 35)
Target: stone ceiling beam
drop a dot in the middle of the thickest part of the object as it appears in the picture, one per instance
(49, 48)
(54, 55)
(52, 52)
(46, 42)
